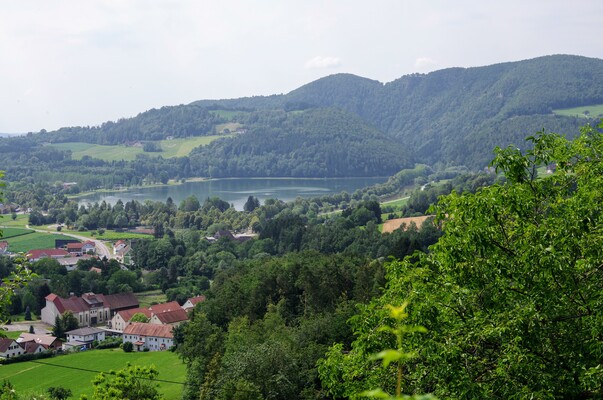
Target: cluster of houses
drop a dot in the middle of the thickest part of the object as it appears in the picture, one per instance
(28, 343)
(71, 250)
(119, 315)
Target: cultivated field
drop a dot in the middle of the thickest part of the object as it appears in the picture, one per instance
(76, 371)
(14, 232)
(171, 148)
(393, 224)
(147, 299)
(33, 240)
(594, 111)
(7, 220)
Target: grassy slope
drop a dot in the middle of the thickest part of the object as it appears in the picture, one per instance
(594, 111)
(35, 377)
(171, 148)
(21, 221)
(146, 299)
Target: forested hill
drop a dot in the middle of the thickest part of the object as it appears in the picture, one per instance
(456, 115)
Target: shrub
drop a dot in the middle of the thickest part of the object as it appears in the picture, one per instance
(128, 347)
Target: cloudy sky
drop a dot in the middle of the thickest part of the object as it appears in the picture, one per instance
(65, 63)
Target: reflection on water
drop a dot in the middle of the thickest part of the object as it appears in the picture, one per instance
(236, 191)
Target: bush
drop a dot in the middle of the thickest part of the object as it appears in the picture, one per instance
(145, 349)
(128, 347)
(111, 343)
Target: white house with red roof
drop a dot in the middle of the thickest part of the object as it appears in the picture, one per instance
(161, 314)
(3, 247)
(149, 336)
(192, 302)
(10, 348)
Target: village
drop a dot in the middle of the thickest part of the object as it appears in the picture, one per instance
(101, 317)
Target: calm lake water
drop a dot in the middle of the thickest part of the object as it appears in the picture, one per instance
(236, 191)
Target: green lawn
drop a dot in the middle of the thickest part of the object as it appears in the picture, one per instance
(171, 148)
(594, 111)
(32, 241)
(76, 371)
(21, 221)
(13, 232)
(227, 113)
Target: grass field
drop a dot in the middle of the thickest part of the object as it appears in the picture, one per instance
(171, 148)
(109, 235)
(594, 111)
(21, 221)
(147, 299)
(227, 113)
(34, 240)
(76, 371)
(13, 232)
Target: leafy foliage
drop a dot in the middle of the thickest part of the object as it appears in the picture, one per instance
(133, 383)
(510, 294)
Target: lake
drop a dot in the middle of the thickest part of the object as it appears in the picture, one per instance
(236, 191)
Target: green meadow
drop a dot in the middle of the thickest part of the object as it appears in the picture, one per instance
(76, 371)
(32, 241)
(171, 148)
(594, 111)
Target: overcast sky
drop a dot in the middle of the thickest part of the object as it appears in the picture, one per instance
(65, 63)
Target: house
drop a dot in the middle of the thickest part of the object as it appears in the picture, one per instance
(166, 313)
(33, 347)
(46, 341)
(83, 337)
(122, 255)
(119, 245)
(89, 309)
(35, 255)
(3, 247)
(122, 318)
(149, 336)
(171, 317)
(192, 302)
(78, 249)
(10, 348)
(70, 263)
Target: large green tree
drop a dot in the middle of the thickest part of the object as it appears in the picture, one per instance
(511, 294)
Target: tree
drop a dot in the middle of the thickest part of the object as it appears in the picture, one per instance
(27, 314)
(139, 317)
(63, 324)
(133, 383)
(31, 329)
(59, 393)
(510, 294)
(251, 204)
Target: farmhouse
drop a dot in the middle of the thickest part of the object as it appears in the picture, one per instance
(46, 341)
(90, 309)
(78, 249)
(35, 255)
(149, 336)
(166, 313)
(70, 263)
(192, 302)
(10, 348)
(171, 317)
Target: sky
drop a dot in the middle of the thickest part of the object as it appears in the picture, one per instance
(74, 62)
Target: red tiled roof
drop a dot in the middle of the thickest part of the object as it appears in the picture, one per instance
(31, 347)
(4, 244)
(161, 308)
(126, 315)
(74, 246)
(41, 253)
(197, 299)
(142, 329)
(173, 316)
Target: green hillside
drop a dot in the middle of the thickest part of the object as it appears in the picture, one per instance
(179, 147)
(76, 371)
(594, 111)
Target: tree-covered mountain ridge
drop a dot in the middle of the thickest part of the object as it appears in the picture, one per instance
(455, 115)
(346, 125)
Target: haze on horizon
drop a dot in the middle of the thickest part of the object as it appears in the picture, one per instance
(67, 63)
